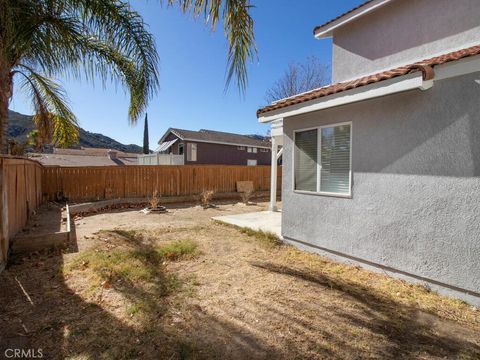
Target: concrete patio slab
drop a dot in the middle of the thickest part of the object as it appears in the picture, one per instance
(264, 220)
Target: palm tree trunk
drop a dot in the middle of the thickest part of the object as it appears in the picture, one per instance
(5, 94)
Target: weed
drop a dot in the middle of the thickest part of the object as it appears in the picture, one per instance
(205, 198)
(246, 196)
(131, 235)
(179, 249)
(154, 200)
(128, 265)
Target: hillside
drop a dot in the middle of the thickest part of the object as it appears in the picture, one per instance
(20, 125)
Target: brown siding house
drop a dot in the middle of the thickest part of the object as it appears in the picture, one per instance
(215, 147)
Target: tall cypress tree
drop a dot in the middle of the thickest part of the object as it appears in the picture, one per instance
(146, 149)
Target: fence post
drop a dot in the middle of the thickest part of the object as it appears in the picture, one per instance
(3, 217)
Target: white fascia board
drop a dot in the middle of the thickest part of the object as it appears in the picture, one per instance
(167, 133)
(327, 30)
(457, 68)
(379, 89)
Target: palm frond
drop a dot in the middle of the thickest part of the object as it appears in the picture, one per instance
(86, 39)
(51, 107)
(238, 27)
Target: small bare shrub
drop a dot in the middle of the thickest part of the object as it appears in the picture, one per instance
(154, 200)
(205, 198)
(246, 196)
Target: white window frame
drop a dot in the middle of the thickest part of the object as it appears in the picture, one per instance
(319, 161)
(254, 150)
(191, 152)
(241, 148)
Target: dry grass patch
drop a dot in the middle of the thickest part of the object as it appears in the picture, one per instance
(179, 249)
(128, 262)
(244, 296)
(385, 288)
(265, 239)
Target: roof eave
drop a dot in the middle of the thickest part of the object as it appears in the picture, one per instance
(383, 88)
(326, 30)
(169, 130)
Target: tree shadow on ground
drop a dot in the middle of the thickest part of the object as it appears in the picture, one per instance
(40, 310)
(409, 331)
(44, 306)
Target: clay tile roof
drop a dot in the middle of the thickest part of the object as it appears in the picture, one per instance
(340, 16)
(425, 66)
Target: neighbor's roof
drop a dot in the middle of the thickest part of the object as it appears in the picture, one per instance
(424, 66)
(319, 28)
(211, 136)
(82, 160)
(91, 152)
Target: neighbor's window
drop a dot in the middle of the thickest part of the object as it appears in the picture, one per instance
(322, 160)
(191, 152)
(240, 147)
(180, 149)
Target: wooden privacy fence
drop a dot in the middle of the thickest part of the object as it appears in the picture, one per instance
(21, 193)
(107, 182)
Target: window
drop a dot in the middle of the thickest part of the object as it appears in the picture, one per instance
(240, 147)
(252, 150)
(255, 150)
(180, 149)
(249, 149)
(322, 160)
(306, 160)
(191, 152)
(251, 162)
(263, 150)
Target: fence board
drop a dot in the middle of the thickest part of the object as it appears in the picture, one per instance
(106, 182)
(21, 194)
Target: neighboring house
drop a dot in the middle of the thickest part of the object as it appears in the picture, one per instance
(85, 157)
(215, 147)
(382, 168)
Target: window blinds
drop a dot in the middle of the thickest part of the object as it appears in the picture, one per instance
(306, 160)
(335, 160)
(322, 163)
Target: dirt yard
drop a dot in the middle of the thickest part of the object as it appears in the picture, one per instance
(179, 286)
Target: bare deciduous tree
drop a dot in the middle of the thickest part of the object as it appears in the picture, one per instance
(299, 78)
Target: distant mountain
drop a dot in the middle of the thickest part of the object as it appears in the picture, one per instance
(20, 125)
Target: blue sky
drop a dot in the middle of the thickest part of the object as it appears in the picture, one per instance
(192, 69)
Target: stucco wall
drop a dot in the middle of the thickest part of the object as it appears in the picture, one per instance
(402, 32)
(416, 186)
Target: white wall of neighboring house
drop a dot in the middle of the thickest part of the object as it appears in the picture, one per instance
(160, 159)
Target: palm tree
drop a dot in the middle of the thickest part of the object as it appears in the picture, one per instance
(40, 39)
(43, 39)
